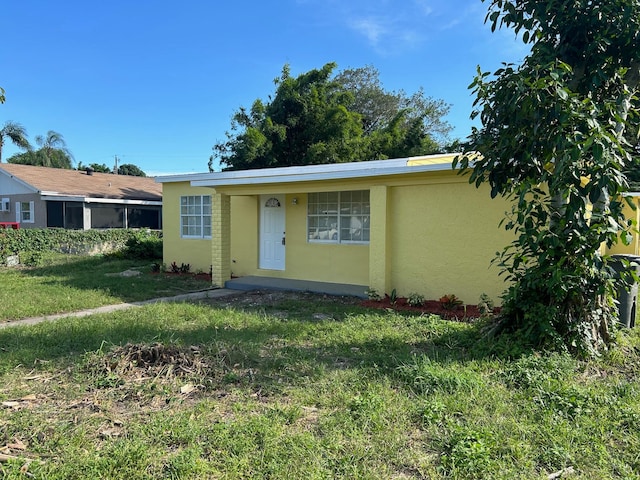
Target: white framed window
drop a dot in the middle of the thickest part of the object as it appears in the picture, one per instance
(195, 216)
(25, 212)
(5, 205)
(339, 217)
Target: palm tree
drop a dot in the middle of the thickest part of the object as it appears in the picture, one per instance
(16, 133)
(49, 144)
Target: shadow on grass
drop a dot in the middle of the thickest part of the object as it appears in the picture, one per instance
(276, 351)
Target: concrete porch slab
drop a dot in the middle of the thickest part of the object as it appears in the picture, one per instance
(270, 283)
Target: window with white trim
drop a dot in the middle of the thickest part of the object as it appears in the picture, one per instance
(195, 216)
(339, 217)
(24, 212)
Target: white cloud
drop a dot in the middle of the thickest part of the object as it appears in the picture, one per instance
(372, 29)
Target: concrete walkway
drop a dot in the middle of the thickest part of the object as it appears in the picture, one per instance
(237, 285)
(215, 293)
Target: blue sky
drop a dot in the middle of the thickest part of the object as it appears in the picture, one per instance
(156, 82)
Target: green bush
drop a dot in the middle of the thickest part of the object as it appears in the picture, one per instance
(143, 245)
(33, 242)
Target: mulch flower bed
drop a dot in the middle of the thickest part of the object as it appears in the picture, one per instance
(466, 313)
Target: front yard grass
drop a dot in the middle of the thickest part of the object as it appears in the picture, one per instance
(306, 386)
(67, 283)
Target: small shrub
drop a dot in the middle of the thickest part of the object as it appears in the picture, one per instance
(372, 294)
(415, 299)
(485, 305)
(450, 302)
(182, 268)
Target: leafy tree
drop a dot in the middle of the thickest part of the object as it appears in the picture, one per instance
(130, 169)
(16, 133)
(53, 152)
(54, 149)
(380, 109)
(554, 140)
(321, 118)
(96, 167)
(2, 97)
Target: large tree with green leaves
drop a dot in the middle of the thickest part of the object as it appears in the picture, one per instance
(53, 152)
(96, 167)
(318, 117)
(131, 169)
(382, 110)
(554, 139)
(16, 133)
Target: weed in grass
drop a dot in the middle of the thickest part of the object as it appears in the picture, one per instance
(535, 370)
(426, 376)
(431, 412)
(468, 453)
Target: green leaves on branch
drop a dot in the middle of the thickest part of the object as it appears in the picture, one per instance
(319, 117)
(553, 141)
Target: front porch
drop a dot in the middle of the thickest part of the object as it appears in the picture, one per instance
(251, 282)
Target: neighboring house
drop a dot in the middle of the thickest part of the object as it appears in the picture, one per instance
(40, 197)
(413, 225)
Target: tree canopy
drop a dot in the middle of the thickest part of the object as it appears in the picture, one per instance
(318, 117)
(130, 169)
(124, 169)
(16, 133)
(96, 167)
(555, 139)
(53, 152)
(53, 158)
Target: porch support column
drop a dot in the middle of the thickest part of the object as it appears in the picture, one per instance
(379, 243)
(220, 238)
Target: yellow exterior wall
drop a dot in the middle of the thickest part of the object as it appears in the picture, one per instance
(431, 233)
(303, 260)
(245, 223)
(443, 237)
(195, 252)
(634, 247)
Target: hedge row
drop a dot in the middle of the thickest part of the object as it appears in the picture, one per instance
(144, 243)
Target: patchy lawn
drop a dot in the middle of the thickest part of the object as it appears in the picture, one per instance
(277, 385)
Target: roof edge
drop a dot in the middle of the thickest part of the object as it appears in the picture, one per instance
(314, 172)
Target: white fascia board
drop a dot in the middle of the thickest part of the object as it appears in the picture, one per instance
(307, 176)
(334, 170)
(52, 197)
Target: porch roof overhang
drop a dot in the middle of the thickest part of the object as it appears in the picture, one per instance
(308, 173)
(55, 197)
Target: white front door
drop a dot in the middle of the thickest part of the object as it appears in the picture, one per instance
(272, 233)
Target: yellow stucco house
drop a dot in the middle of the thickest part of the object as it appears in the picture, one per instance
(412, 224)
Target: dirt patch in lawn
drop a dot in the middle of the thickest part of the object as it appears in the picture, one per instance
(272, 298)
(157, 359)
